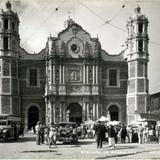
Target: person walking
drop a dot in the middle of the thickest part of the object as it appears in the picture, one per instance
(74, 135)
(129, 133)
(38, 133)
(116, 133)
(15, 132)
(100, 130)
(111, 136)
(145, 134)
(123, 133)
(42, 134)
(52, 136)
(46, 135)
(140, 133)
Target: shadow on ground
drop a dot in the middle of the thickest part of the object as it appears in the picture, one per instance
(39, 151)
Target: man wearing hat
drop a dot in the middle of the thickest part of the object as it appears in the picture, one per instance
(100, 133)
(38, 133)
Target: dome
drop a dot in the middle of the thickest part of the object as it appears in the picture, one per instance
(138, 16)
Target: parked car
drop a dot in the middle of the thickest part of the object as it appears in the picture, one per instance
(9, 127)
(67, 132)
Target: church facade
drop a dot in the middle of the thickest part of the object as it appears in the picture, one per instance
(73, 78)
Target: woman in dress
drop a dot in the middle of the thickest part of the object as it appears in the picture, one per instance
(111, 137)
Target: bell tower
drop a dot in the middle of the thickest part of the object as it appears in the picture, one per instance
(137, 59)
(9, 56)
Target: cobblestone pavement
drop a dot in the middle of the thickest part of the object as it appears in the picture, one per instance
(85, 149)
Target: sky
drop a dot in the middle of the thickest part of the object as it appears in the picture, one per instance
(40, 18)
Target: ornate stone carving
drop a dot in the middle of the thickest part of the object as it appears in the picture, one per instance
(74, 74)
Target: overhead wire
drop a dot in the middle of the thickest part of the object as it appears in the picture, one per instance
(43, 23)
(100, 17)
(105, 21)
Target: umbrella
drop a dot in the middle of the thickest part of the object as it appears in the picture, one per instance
(143, 120)
(103, 119)
(113, 123)
(158, 122)
(89, 122)
(116, 122)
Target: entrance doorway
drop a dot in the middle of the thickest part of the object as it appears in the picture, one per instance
(33, 117)
(114, 112)
(75, 113)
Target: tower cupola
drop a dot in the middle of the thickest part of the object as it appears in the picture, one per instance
(137, 58)
(9, 31)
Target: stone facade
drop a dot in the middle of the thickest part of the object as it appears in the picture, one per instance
(72, 78)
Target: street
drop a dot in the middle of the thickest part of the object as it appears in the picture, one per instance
(26, 148)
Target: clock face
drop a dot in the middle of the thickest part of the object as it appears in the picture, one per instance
(75, 47)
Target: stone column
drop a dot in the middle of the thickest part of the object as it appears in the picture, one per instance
(94, 111)
(63, 74)
(84, 74)
(84, 112)
(51, 71)
(54, 74)
(87, 76)
(64, 111)
(46, 109)
(97, 110)
(60, 112)
(54, 112)
(93, 74)
(51, 111)
(60, 74)
(87, 110)
(96, 74)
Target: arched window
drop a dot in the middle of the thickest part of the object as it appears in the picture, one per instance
(5, 43)
(140, 27)
(5, 23)
(75, 113)
(140, 45)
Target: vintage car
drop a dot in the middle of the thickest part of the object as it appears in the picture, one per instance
(67, 132)
(9, 127)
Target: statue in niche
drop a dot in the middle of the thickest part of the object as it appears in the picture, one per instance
(74, 29)
(74, 76)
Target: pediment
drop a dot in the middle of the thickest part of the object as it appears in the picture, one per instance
(74, 41)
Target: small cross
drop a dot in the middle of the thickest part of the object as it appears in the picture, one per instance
(69, 13)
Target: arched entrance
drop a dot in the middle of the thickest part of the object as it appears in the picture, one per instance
(114, 112)
(33, 116)
(75, 113)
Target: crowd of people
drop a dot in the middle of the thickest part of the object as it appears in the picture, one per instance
(101, 132)
(45, 134)
(51, 133)
(123, 134)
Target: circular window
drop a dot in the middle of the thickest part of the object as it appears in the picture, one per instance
(74, 47)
